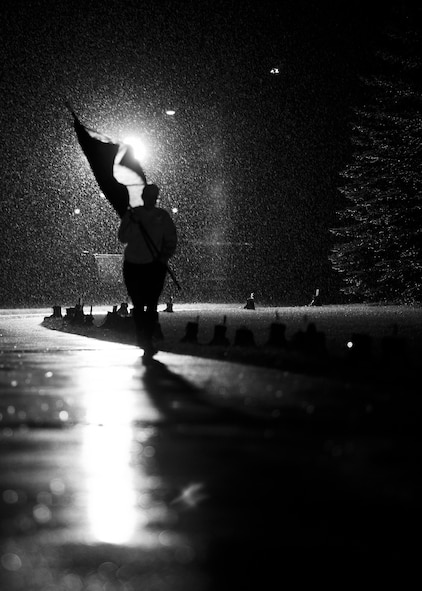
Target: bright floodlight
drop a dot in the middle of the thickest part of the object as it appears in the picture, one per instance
(140, 150)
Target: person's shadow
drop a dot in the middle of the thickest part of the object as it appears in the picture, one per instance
(178, 399)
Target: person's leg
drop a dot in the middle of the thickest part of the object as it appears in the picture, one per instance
(156, 278)
(134, 280)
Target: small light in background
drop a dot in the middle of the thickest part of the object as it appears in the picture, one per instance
(349, 344)
(76, 211)
(170, 112)
(174, 209)
(275, 71)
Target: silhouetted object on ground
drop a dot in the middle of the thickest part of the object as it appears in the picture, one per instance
(191, 334)
(310, 341)
(277, 336)
(169, 305)
(219, 339)
(89, 318)
(360, 348)
(57, 312)
(244, 337)
(113, 320)
(76, 315)
(123, 311)
(250, 303)
(316, 299)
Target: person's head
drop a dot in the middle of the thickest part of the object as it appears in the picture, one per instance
(150, 195)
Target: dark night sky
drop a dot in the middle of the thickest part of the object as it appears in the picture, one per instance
(250, 156)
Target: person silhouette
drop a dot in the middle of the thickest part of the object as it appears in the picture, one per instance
(150, 239)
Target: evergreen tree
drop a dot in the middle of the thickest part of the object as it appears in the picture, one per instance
(379, 242)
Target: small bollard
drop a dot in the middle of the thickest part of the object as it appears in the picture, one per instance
(112, 319)
(70, 314)
(250, 303)
(89, 318)
(219, 339)
(169, 305)
(191, 334)
(244, 338)
(57, 312)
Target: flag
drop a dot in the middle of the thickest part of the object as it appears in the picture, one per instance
(118, 173)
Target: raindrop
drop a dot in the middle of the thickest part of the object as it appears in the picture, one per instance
(71, 582)
(106, 570)
(57, 486)
(10, 496)
(64, 415)
(42, 513)
(11, 561)
(167, 538)
(149, 451)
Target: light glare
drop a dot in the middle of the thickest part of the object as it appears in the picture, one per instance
(140, 150)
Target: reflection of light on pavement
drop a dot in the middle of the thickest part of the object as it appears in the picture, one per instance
(111, 496)
(112, 480)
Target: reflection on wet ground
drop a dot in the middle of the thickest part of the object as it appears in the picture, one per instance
(194, 475)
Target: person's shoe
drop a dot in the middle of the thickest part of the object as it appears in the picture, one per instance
(149, 351)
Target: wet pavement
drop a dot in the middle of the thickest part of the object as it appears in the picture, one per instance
(195, 474)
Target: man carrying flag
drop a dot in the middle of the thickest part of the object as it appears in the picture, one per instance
(150, 237)
(147, 231)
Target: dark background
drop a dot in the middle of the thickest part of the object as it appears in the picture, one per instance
(251, 158)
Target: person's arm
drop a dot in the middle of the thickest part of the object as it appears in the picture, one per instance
(125, 225)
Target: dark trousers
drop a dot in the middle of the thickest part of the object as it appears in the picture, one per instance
(144, 284)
